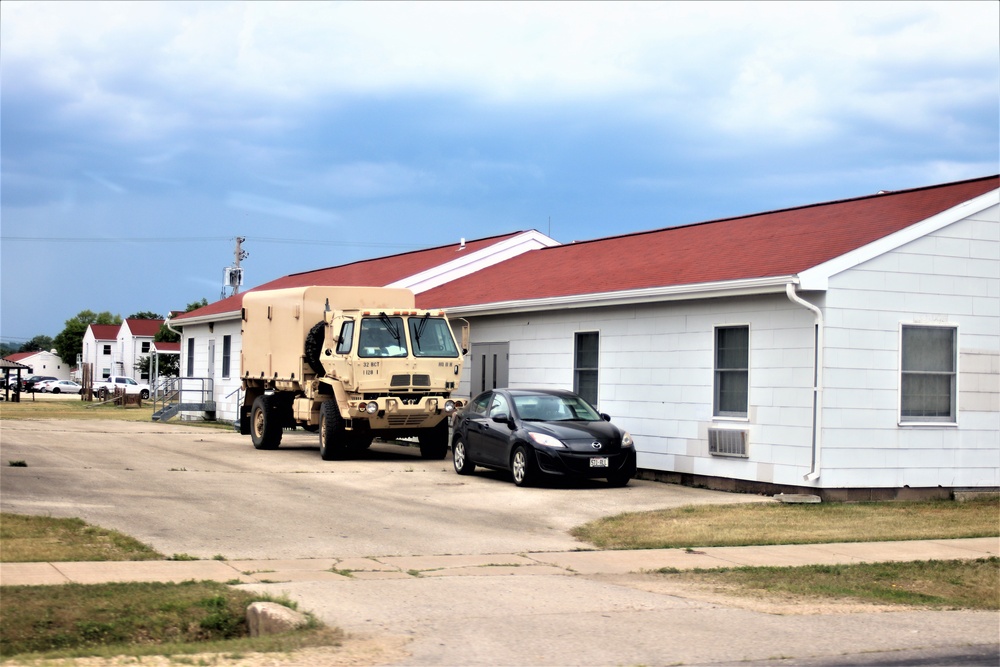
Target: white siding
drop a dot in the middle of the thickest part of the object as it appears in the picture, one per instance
(226, 396)
(949, 277)
(656, 377)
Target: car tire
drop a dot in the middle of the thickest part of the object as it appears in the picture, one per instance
(460, 457)
(56, 390)
(265, 427)
(144, 394)
(523, 466)
(332, 441)
(434, 442)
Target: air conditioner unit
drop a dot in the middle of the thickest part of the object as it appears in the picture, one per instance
(728, 442)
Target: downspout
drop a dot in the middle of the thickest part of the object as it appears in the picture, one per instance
(817, 425)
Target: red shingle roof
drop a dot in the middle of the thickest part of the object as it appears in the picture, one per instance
(18, 356)
(777, 243)
(144, 327)
(105, 331)
(376, 272)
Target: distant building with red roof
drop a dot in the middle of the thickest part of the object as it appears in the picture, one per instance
(41, 362)
(848, 348)
(118, 349)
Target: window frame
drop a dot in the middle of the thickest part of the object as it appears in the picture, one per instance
(227, 354)
(717, 412)
(578, 369)
(923, 420)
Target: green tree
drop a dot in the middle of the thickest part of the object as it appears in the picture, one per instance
(69, 342)
(6, 349)
(37, 344)
(145, 315)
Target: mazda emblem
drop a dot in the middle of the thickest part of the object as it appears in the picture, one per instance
(596, 445)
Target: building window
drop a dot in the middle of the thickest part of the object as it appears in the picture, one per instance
(227, 348)
(107, 350)
(732, 371)
(190, 364)
(585, 365)
(928, 373)
(145, 347)
(105, 373)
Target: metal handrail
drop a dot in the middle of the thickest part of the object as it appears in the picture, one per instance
(191, 392)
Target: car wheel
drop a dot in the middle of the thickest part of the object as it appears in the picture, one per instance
(144, 394)
(460, 457)
(332, 443)
(434, 442)
(522, 465)
(56, 390)
(102, 393)
(265, 428)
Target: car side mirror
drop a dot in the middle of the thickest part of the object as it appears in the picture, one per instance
(605, 416)
(503, 418)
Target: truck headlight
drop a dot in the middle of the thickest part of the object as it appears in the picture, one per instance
(370, 408)
(449, 406)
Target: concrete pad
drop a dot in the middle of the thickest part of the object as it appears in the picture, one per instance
(983, 547)
(311, 564)
(789, 555)
(31, 574)
(496, 571)
(423, 563)
(873, 552)
(365, 565)
(282, 576)
(376, 575)
(154, 570)
(623, 562)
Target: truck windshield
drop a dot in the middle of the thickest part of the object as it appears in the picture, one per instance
(431, 337)
(382, 337)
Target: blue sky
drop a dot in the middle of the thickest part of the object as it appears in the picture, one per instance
(137, 140)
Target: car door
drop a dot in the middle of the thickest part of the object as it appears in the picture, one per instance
(495, 437)
(474, 422)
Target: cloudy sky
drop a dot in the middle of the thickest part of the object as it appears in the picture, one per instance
(139, 139)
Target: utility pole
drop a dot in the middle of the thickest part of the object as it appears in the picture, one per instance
(239, 255)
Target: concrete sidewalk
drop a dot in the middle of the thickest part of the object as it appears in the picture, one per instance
(526, 564)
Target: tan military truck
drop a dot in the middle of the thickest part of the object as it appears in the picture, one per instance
(353, 363)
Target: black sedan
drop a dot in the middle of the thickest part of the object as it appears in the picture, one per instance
(534, 431)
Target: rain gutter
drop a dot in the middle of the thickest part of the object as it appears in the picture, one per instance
(817, 416)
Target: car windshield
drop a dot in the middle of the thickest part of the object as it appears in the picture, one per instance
(431, 337)
(543, 407)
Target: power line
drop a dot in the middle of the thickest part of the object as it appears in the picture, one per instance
(189, 239)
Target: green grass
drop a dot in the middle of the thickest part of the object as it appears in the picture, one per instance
(45, 407)
(137, 619)
(31, 539)
(963, 584)
(758, 524)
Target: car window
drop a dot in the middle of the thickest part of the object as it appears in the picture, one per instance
(499, 406)
(478, 404)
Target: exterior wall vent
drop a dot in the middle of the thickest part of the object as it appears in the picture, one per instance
(728, 442)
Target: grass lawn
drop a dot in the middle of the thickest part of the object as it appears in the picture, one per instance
(33, 539)
(44, 406)
(754, 524)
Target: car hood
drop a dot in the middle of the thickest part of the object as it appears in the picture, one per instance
(580, 435)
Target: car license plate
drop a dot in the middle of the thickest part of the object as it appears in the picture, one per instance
(599, 462)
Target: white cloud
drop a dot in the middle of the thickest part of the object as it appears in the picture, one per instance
(280, 209)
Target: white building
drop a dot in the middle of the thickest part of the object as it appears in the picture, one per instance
(118, 349)
(849, 349)
(100, 343)
(43, 362)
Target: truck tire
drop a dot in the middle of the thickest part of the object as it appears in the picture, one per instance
(434, 442)
(314, 347)
(332, 441)
(265, 426)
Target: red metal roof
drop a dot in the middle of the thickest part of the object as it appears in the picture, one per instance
(777, 243)
(164, 346)
(144, 327)
(17, 356)
(377, 272)
(105, 331)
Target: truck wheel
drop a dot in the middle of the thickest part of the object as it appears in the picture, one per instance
(265, 427)
(332, 443)
(434, 442)
(314, 347)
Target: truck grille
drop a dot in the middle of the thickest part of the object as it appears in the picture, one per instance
(421, 380)
(400, 381)
(400, 421)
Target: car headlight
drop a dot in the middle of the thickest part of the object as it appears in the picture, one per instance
(627, 440)
(546, 440)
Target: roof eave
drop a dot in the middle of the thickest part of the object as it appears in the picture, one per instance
(746, 287)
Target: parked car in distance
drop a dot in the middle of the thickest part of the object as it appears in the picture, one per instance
(533, 432)
(62, 387)
(30, 383)
(42, 385)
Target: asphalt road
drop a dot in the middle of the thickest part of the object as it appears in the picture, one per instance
(205, 492)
